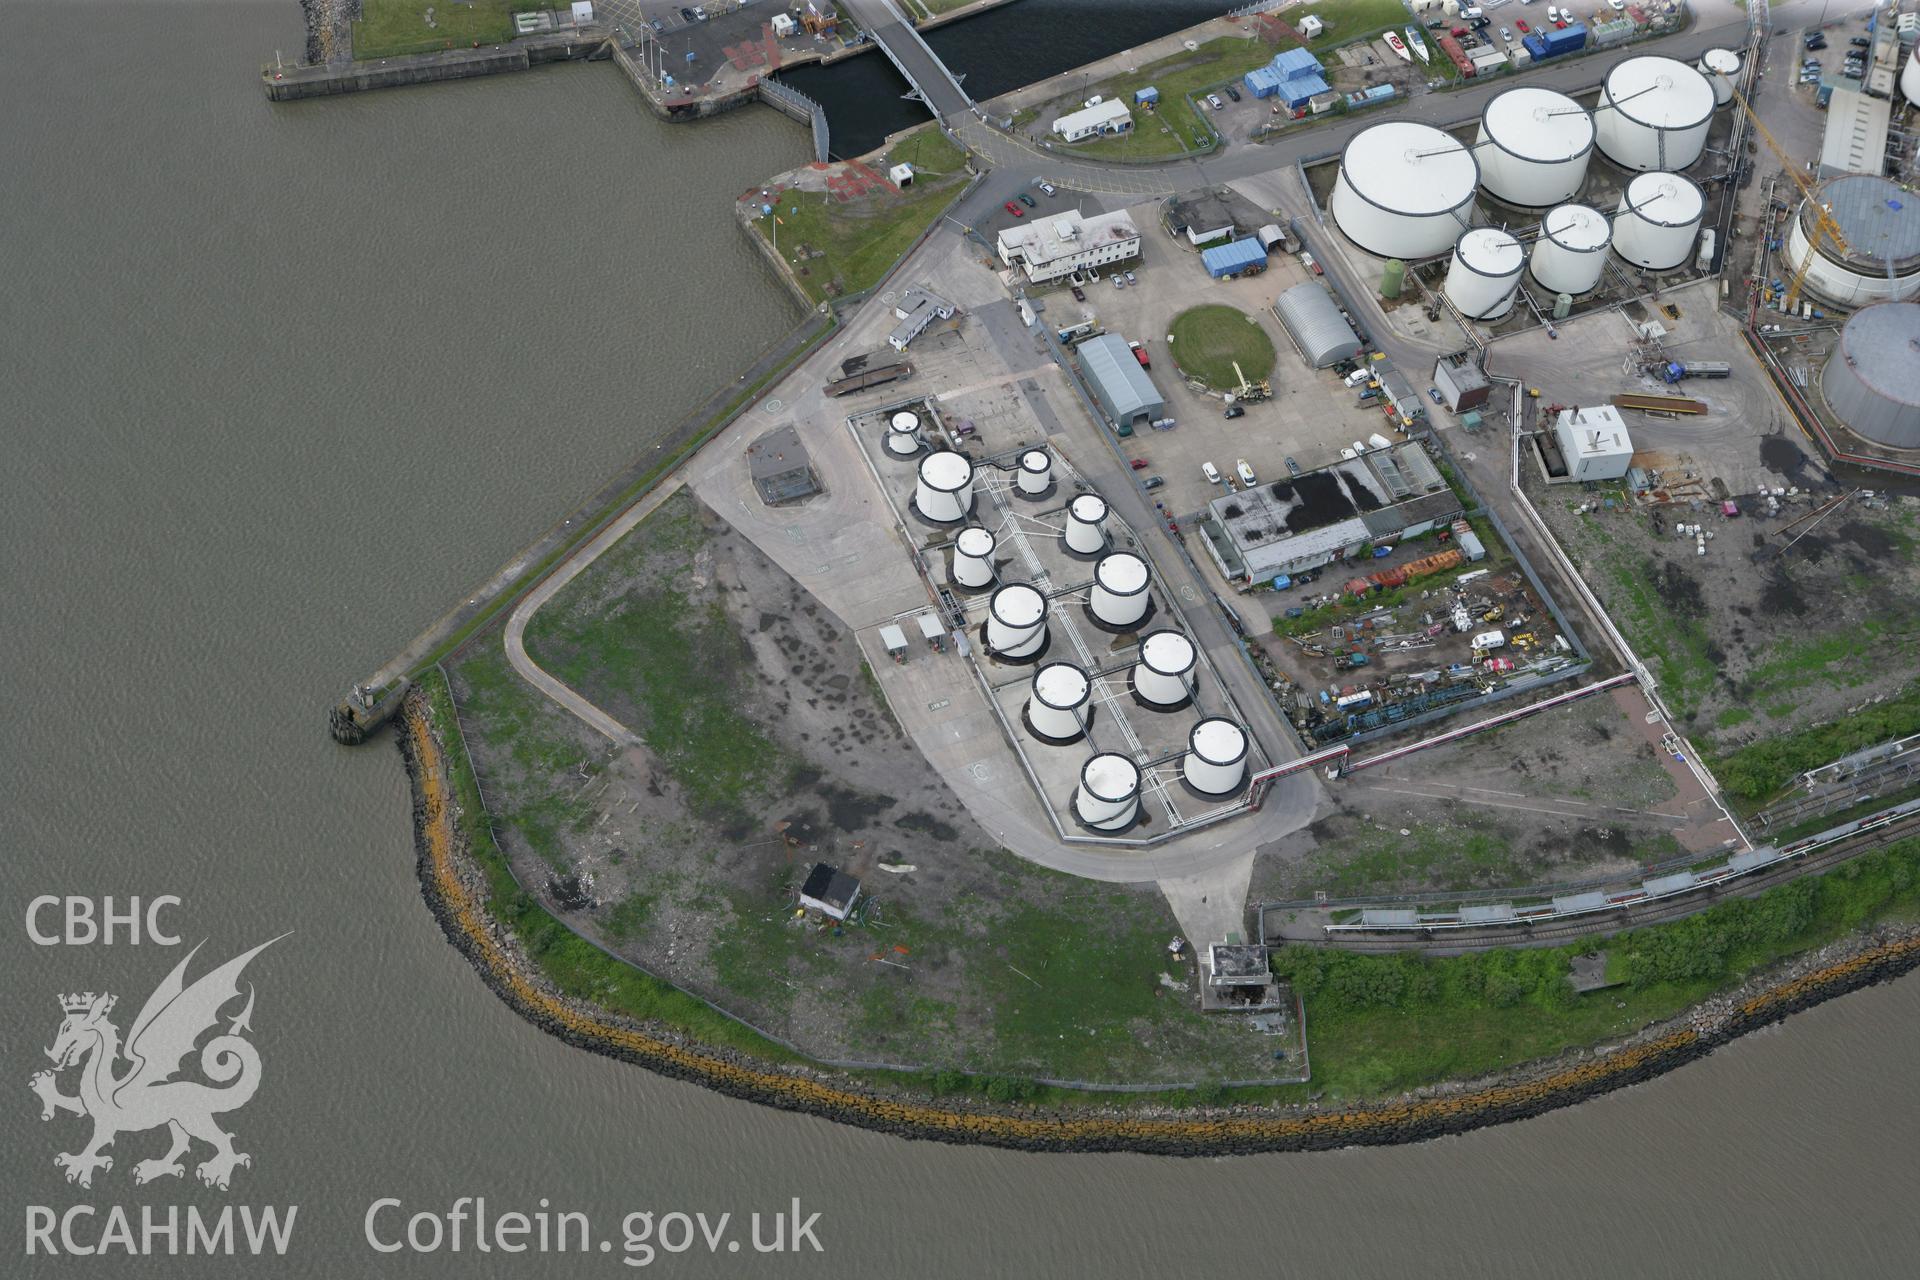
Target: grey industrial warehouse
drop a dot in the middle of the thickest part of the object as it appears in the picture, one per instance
(1321, 516)
(1126, 394)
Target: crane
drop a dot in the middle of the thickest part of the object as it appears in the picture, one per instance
(1824, 225)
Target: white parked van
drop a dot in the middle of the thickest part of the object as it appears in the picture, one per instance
(1211, 472)
(1245, 473)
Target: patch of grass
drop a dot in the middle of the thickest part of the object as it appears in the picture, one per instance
(387, 28)
(1174, 126)
(678, 663)
(1208, 340)
(508, 714)
(1760, 770)
(1375, 861)
(859, 240)
(572, 964)
(1381, 1024)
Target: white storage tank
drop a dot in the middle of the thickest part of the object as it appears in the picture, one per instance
(1057, 707)
(1404, 190)
(1035, 479)
(1653, 114)
(1659, 220)
(1910, 77)
(1533, 147)
(1017, 622)
(1721, 67)
(1163, 677)
(1216, 759)
(1881, 224)
(1484, 273)
(973, 558)
(1571, 254)
(945, 492)
(1120, 597)
(903, 434)
(1108, 797)
(1085, 516)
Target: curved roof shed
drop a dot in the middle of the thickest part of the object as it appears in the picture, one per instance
(1319, 331)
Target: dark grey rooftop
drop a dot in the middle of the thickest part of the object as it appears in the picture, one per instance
(1880, 221)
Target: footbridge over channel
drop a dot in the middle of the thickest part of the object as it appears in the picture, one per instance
(932, 83)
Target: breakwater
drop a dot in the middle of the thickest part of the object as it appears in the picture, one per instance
(455, 890)
(291, 83)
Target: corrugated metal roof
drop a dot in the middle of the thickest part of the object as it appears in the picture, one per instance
(1856, 136)
(1322, 333)
(1227, 259)
(1122, 383)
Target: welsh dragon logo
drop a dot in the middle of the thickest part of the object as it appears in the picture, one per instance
(145, 1094)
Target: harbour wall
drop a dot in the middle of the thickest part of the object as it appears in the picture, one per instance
(292, 83)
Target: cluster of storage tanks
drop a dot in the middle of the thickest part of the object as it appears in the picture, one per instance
(1406, 190)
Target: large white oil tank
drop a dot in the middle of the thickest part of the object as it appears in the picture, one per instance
(1108, 797)
(945, 492)
(1721, 67)
(1035, 479)
(1017, 622)
(903, 434)
(1910, 77)
(1120, 596)
(1404, 190)
(1057, 707)
(1881, 225)
(1653, 114)
(1484, 273)
(1659, 220)
(1571, 253)
(1163, 677)
(973, 558)
(1085, 516)
(1533, 147)
(1216, 759)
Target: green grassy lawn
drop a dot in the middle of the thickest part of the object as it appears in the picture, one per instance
(1382, 1024)
(1760, 771)
(678, 665)
(1174, 126)
(389, 27)
(1208, 340)
(575, 966)
(860, 240)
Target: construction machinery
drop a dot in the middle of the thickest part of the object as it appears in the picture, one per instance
(1249, 392)
(1824, 226)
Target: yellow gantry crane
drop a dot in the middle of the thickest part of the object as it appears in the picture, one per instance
(1824, 227)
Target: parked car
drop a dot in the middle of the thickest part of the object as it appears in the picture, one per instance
(1506, 35)
(1152, 482)
(1236, 411)
(1245, 473)
(1233, 93)
(1048, 188)
(1520, 25)
(1138, 464)
(1618, 6)
(1553, 13)
(1079, 294)
(1434, 394)
(1119, 281)
(1861, 42)
(1139, 350)
(686, 15)
(1130, 279)
(1213, 100)
(1014, 209)
(1211, 472)
(1026, 199)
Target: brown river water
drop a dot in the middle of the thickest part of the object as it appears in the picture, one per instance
(277, 382)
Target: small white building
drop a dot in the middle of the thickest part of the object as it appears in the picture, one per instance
(1311, 27)
(1594, 442)
(901, 175)
(1055, 247)
(1097, 117)
(784, 26)
(916, 309)
(582, 13)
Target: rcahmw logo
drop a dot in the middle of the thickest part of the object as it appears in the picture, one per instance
(143, 1083)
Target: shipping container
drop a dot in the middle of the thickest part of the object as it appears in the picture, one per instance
(1536, 45)
(1566, 39)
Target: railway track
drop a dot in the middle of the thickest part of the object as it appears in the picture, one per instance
(1441, 941)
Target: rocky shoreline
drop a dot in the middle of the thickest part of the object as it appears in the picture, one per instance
(454, 889)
